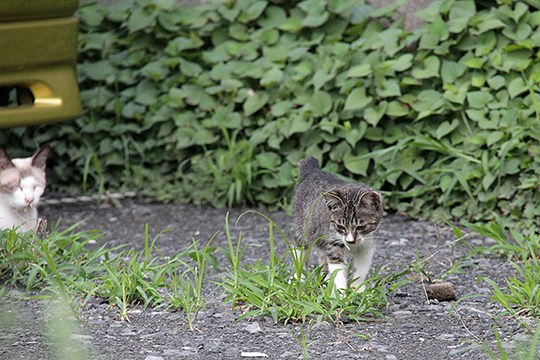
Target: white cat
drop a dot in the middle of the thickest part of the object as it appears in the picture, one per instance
(22, 182)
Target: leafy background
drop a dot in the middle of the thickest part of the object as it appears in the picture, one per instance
(217, 103)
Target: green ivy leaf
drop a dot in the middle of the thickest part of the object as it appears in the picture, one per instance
(357, 99)
(389, 88)
(517, 87)
(494, 137)
(488, 180)
(479, 99)
(450, 71)
(475, 63)
(272, 76)
(374, 114)
(490, 23)
(321, 103)
(430, 68)
(268, 160)
(156, 70)
(281, 108)
(359, 70)
(274, 16)
(353, 135)
(140, 19)
(253, 12)
(99, 70)
(190, 68)
(496, 82)
(355, 164)
(403, 63)
(255, 102)
(446, 128)
(460, 14)
(293, 23)
(299, 125)
(396, 109)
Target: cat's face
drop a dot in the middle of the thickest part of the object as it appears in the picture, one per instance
(22, 181)
(354, 212)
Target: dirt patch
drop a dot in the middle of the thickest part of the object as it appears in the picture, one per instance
(413, 327)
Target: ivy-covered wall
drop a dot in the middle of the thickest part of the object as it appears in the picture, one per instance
(216, 104)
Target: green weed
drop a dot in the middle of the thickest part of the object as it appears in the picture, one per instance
(520, 294)
(61, 257)
(303, 339)
(513, 243)
(521, 350)
(62, 266)
(187, 284)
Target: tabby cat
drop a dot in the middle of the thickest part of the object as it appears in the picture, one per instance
(22, 182)
(339, 217)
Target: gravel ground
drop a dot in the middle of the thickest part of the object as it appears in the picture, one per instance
(412, 327)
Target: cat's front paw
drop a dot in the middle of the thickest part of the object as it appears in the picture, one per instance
(358, 285)
(338, 272)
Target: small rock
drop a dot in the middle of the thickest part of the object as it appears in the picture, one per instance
(399, 293)
(402, 313)
(446, 337)
(321, 326)
(400, 242)
(253, 354)
(520, 337)
(443, 291)
(152, 357)
(253, 328)
(391, 357)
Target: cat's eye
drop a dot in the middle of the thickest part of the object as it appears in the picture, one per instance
(366, 228)
(340, 228)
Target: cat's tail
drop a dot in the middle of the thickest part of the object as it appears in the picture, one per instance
(307, 165)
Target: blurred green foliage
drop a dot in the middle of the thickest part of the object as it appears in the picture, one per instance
(216, 104)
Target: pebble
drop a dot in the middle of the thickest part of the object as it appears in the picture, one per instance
(321, 326)
(443, 291)
(458, 351)
(400, 242)
(402, 313)
(131, 332)
(152, 357)
(253, 354)
(378, 347)
(253, 328)
(446, 337)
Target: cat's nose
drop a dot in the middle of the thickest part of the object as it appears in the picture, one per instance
(29, 199)
(350, 238)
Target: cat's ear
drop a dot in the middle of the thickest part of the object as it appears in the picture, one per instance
(40, 159)
(5, 161)
(334, 200)
(371, 199)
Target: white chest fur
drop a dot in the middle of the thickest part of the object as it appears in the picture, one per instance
(24, 219)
